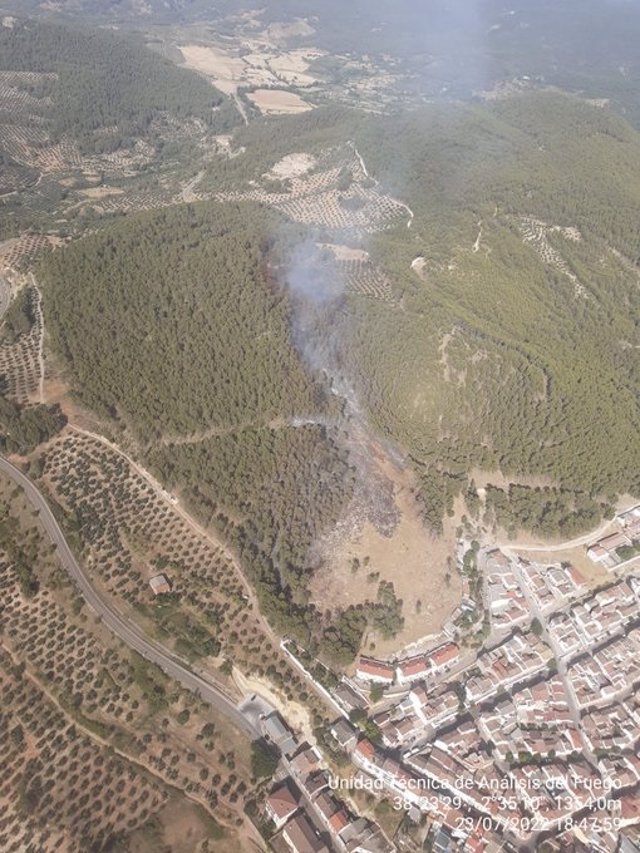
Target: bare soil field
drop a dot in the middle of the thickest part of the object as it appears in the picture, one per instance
(278, 102)
(292, 166)
(345, 253)
(101, 192)
(226, 70)
(594, 574)
(411, 558)
(293, 65)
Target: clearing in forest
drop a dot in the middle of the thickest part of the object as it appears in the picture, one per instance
(278, 101)
(364, 553)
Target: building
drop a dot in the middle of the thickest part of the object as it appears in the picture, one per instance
(607, 547)
(375, 670)
(444, 657)
(306, 761)
(315, 783)
(349, 698)
(339, 821)
(281, 803)
(159, 584)
(276, 731)
(597, 553)
(345, 734)
(326, 805)
(412, 669)
(365, 756)
(301, 837)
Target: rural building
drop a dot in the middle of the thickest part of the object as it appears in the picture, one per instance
(375, 670)
(301, 837)
(281, 803)
(159, 584)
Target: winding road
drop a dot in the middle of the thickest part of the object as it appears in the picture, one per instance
(126, 630)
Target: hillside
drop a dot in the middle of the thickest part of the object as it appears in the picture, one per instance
(431, 50)
(506, 341)
(188, 347)
(518, 344)
(80, 108)
(103, 87)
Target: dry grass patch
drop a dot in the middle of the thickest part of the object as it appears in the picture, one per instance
(225, 69)
(278, 102)
(416, 562)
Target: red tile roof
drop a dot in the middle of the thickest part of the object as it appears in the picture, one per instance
(445, 654)
(365, 748)
(375, 667)
(282, 801)
(413, 666)
(339, 821)
(576, 575)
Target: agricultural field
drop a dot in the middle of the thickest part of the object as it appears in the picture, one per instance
(21, 253)
(109, 695)
(21, 358)
(61, 791)
(334, 194)
(130, 530)
(278, 102)
(359, 273)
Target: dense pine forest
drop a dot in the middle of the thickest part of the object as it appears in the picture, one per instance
(106, 88)
(494, 359)
(176, 327)
(180, 333)
(538, 357)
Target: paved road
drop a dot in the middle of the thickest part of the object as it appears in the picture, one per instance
(122, 627)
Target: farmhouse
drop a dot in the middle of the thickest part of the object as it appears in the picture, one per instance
(159, 584)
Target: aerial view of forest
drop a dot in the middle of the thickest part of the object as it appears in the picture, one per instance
(306, 315)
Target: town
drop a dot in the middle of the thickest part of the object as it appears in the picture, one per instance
(528, 740)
